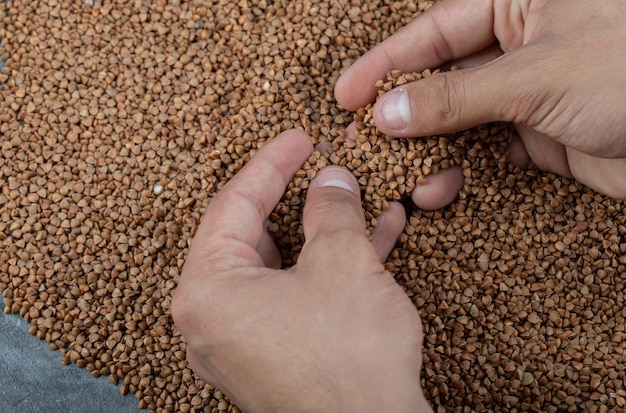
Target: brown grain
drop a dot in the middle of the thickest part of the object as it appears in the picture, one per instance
(120, 120)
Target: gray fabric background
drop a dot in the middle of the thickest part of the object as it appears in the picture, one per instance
(33, 380)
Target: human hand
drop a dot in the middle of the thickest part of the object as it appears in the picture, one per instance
(555, 68)
(334, 332)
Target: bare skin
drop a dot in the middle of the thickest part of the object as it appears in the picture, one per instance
(333, 333)
(336, 327)
(555, 68)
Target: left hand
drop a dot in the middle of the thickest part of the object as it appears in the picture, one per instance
(335, 332)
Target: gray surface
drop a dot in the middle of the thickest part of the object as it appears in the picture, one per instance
(33, 380)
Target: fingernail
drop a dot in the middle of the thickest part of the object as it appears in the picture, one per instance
(338, 177)
(396, 109)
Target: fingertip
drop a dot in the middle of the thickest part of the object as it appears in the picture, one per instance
(324, 147)
(390, 225)
(297, 137)
(356, 86)
(268, 251)
(350, 132)
(446, 102)
(239, 209)
(340, 91)
(337, 177)
(439, 190)
(333, 204)
(518, 155)
(393, 112)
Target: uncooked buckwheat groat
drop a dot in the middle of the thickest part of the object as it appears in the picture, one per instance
(120, 120)
(388, 169)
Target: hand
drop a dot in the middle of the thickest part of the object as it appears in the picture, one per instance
(333, 333)
(555, 68)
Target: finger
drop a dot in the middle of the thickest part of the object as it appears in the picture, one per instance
(439, 190)
(333, 211)
(350, 132)
(268, 251)
(545, 152)
(390, 225)
(323, 147)
(241, 207)
(448, 31)
(456, 100)
(479, 58)
(603, 175)
(518, 155)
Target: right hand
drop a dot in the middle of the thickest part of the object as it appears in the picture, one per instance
(334, 332)
(555, 68)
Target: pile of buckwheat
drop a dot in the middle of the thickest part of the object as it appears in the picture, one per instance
(119, 120)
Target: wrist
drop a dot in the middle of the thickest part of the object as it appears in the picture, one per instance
(377, 400)
(364, 394)
(393, 392)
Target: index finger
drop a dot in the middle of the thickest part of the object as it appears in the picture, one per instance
(241, 207)
(450, 30)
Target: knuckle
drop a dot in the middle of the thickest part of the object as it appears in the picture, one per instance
(449, 97)
(330, 204)
(180, 310)
(336, 244)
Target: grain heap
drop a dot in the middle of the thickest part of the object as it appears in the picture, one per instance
(389, 169)
(119, 120)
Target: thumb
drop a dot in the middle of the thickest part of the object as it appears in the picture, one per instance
(334, 227)
(456, 100)
(333, 208)
(333, 213)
